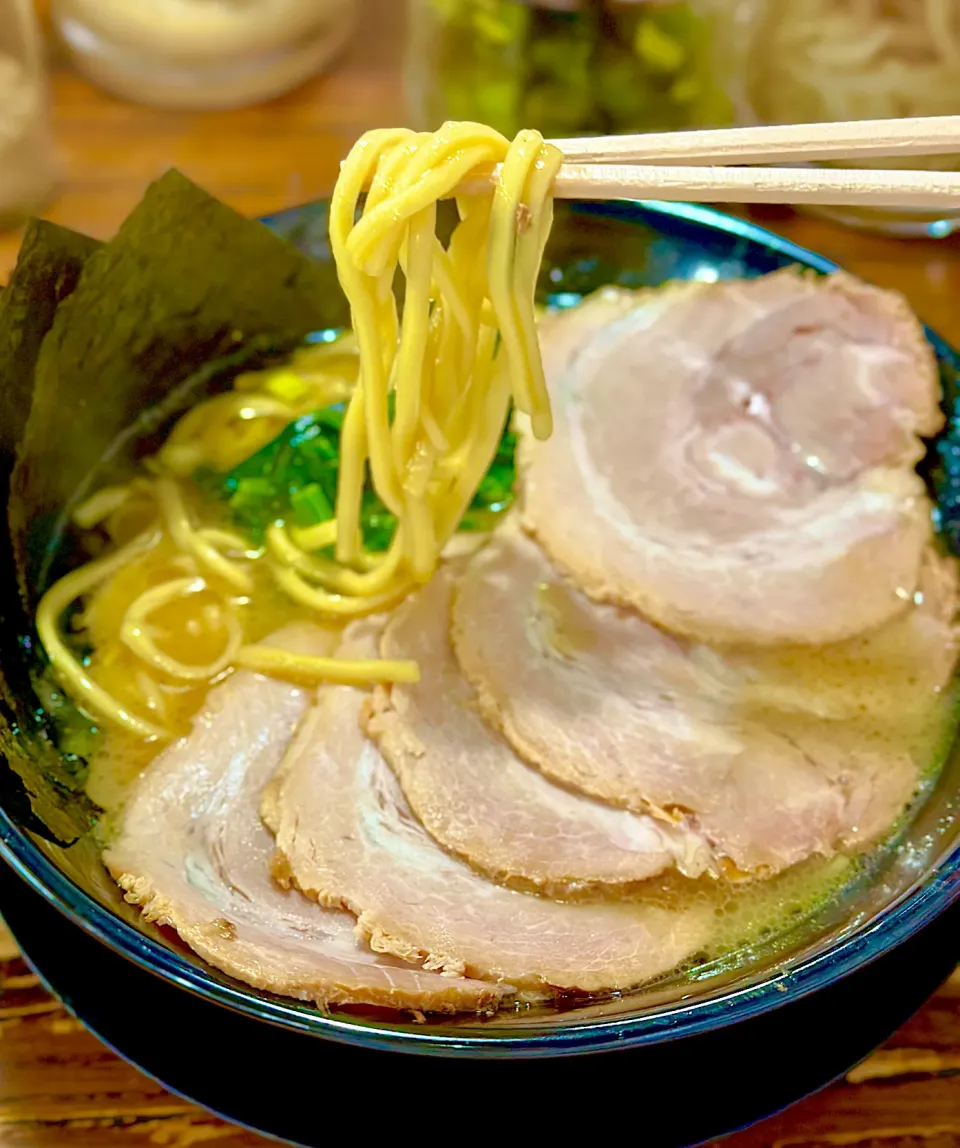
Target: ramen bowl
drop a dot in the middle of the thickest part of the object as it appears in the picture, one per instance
(742, 1036)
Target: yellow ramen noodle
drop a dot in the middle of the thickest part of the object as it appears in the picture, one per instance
(461, 349)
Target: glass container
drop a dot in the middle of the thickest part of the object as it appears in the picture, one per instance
(830, 60)
(28, 166)
(202, 53)
(572, 67)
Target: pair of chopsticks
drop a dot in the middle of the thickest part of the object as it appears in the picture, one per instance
(706, 166)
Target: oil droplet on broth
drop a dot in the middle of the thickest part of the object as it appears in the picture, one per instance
(753, 912)
(761, 911)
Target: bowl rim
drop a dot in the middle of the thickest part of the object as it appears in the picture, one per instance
(863, 943)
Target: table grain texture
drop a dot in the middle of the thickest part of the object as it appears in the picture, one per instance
(58, 1084)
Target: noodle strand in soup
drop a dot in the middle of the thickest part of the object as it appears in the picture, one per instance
(427, 398)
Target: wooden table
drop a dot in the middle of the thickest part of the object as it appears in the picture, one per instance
(58, 1085)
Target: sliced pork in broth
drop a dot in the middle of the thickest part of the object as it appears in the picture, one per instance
(605, 702)
(346, 836)
(736, 460)
(192, 852)
(478, 799)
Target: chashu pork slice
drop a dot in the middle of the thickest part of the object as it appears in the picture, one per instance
(193, 853)
(478, 799)
(346, 836)
(736, 460)
(603, 701)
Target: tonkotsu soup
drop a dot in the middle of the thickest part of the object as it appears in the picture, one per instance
(472, 657)
(717, 834)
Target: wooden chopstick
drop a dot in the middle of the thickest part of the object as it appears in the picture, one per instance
(689, 165)
(831, 187)
(790, 143)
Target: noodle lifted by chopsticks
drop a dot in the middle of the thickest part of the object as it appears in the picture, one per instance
(468, 340)
(465, 347)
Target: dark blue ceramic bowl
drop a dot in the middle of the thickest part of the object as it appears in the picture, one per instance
(745, 1034)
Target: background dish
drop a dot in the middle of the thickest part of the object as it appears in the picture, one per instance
(633, 245)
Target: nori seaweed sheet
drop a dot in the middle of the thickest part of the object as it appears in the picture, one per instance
(186, 280)
(95, 342)
(48, 268)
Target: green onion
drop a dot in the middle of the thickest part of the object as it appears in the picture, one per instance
(310, 505)
(294, 478)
